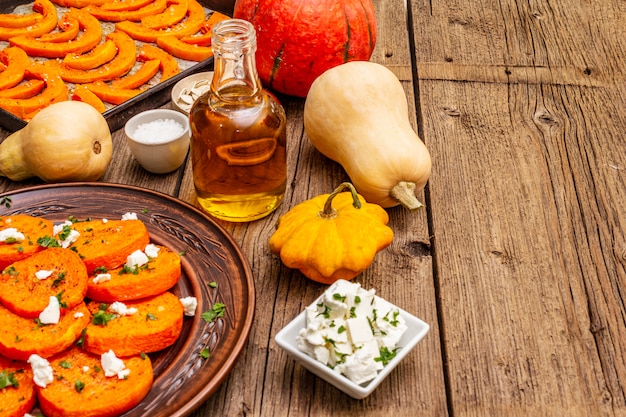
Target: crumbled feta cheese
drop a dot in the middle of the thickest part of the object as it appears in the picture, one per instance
(112, 365)
(42, 371)
(347, 328)
(129, 216)
(121, 309)
(136, 259)
(52, 313)
(71, 238)
(85, 369)
(43, 274)
(58, 228)
(189, 305)
(152, 250)
(11, 234)
(78, 314)
(101, 278)
(105, 221)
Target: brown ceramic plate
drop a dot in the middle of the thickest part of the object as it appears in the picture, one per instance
(183, 380)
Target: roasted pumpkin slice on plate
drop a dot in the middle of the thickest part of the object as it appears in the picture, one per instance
(44, 25)
(189, 26)
(91, 36)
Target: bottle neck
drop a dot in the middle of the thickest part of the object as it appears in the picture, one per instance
(235, 77)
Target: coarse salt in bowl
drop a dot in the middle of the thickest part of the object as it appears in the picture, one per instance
(158, 139)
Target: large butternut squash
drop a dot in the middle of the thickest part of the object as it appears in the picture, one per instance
(357, 115)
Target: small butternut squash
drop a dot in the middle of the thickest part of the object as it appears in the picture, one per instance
(66, 141)
(357, 115)
(332, 236)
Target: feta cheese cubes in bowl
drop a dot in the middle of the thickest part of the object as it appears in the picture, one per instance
(351, 338)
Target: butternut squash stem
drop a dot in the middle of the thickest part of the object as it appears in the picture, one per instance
(329, 212)
(404, 193)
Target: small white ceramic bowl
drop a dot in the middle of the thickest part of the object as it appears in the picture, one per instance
(286, 339)
(162, 152)
(202, 81)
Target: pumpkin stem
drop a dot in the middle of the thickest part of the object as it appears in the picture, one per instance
(329, 212)
(404, 193)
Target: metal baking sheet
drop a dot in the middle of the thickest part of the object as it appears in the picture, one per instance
(116, 116)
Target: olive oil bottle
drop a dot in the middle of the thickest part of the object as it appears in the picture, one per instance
(238, 133)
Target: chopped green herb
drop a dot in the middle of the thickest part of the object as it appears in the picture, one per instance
(216, 311)
(150, 316)
(386, 355)
(100, 270)
(65, 364)
(337, 296)
(7, 379)
(48, 242)
(213, 284)
(79, 385)
(341, 329)
(6, 201)
(204, 353)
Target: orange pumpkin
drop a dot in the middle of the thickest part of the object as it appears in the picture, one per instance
(297, 40)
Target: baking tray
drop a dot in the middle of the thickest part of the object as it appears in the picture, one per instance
(117, 116)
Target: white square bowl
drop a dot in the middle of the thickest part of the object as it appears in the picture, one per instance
(286, 339)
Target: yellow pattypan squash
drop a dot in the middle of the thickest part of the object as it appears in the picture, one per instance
(332, 236)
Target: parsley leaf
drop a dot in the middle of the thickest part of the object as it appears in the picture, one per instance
(7, 379)
(216, 311)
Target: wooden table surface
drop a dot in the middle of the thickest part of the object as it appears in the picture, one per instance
(518, 261)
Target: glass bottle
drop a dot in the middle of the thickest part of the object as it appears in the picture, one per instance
(238, 133)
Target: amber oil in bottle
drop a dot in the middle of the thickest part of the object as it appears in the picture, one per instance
(238, 133)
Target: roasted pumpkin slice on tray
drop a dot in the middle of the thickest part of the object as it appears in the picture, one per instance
(173, 14)
(112, 95)
(118, 66)
(96, 57)
(44, 25)
(168, 64)
(26, 89)
(82, 93)
(79, 4)
(157, 6)
(68, 28)
(55, 91)
(146, 71)
(11, 20)
(190, 25)
(91, 36)
(16, 61)
(182, 50)
(206, 31)
(125, 5)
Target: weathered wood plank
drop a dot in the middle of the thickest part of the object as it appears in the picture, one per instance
(526, 200)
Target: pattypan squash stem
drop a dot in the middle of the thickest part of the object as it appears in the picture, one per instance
(329, 212)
